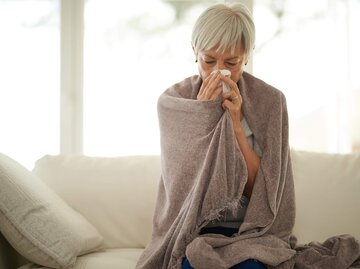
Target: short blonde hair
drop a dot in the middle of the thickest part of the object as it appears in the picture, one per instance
(224, 26)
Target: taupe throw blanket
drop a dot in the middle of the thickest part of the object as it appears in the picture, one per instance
(204, 173)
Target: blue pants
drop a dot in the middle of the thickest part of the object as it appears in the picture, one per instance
(248, 264)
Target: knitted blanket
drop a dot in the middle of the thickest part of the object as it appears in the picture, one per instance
(204, 173)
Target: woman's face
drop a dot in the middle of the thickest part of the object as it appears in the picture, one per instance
(210, 60)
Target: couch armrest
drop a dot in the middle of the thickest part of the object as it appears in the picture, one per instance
(9, 258)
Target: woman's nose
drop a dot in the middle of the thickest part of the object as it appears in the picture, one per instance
(219, 66)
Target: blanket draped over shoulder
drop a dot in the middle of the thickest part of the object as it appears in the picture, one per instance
(204, 173)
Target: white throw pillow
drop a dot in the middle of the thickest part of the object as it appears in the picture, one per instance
(327, 195)
(38, 223)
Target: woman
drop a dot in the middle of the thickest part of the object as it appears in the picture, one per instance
(219, 205)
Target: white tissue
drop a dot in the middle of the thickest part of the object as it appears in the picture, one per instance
(226, 73)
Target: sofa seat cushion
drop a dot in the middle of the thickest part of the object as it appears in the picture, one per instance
(124, 258)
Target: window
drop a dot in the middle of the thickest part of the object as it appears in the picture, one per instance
(308, 50)
(29, 85)
(133, 51)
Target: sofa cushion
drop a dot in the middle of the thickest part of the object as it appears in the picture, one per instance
(37, 223)
(124, 258)
(116, 194)
(327, 195)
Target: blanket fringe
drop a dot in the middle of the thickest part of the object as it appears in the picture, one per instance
(214, 215)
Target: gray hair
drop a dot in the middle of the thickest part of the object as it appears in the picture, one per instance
(224, 26)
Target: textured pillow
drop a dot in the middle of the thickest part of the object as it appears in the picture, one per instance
(37, 223)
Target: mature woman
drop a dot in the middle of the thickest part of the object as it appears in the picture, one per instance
(226, 197)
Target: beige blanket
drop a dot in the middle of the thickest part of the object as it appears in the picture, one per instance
(204, 173)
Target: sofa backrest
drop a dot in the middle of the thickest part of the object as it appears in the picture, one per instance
(118, 194)
(327, 191)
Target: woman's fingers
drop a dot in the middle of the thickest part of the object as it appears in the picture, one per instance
(227, 104)
(234, 109)
(234, 94)
(234, 97)
(212, 87)
(216, 93)
(209, 88)
(232, 85)
(206, 82)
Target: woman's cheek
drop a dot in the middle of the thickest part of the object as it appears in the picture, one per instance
(236, 75)
(203, 73)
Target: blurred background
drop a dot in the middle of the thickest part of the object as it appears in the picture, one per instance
(84, 76)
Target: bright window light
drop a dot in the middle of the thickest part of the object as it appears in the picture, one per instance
(29, 84)
(134, 51)
(307, 49)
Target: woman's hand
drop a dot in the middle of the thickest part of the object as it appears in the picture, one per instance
(211, 87)
(233, 102)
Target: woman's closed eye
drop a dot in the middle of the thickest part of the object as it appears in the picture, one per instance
(231, 64)
(227, 63)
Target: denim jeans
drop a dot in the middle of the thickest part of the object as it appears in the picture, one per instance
(248, 264)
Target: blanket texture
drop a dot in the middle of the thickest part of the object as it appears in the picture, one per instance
(204, 173)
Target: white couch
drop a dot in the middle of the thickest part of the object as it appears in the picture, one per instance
(117, 196)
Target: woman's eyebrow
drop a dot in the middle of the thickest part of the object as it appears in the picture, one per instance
(233, 58)
(226, 59)
(208, 55)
